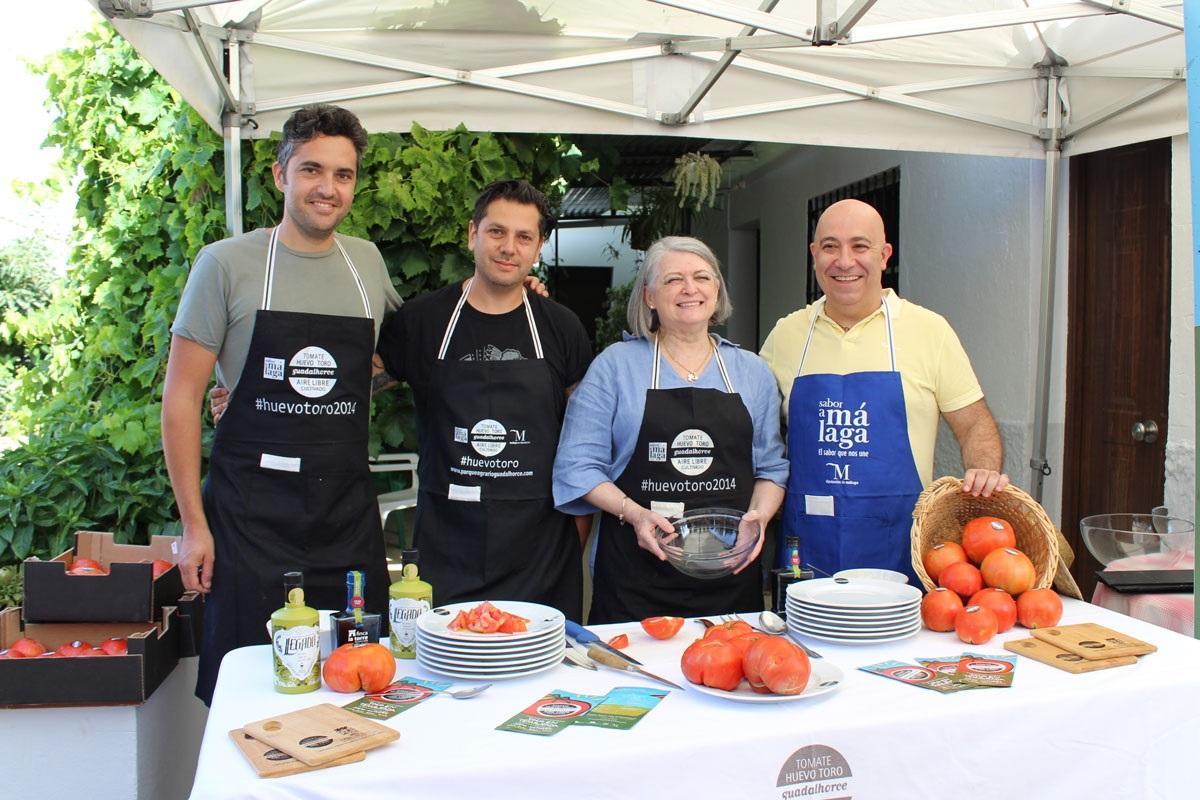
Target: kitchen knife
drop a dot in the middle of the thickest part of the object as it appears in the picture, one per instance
(575, 656)
(586, 637)
(601, 656)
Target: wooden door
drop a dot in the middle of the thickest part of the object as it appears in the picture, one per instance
(1118, 338)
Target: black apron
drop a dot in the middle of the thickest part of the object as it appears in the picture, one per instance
(486, 524)
(629, 583)
(288, 485)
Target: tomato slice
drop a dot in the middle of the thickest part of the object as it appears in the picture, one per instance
(620, 641)
(461, 622)
(662, 627)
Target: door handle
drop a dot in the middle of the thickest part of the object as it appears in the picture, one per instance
(1145, 431)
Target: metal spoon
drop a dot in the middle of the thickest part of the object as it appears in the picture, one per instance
(463, 694)
(772, 622)
(775, 624)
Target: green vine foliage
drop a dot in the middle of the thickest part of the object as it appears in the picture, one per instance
(150, 179)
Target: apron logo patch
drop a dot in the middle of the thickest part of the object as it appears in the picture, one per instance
(273, 369)
(488, 437)
(460, 435)
(692, 452)
(658, 452)
(312, 372)
(841, 431)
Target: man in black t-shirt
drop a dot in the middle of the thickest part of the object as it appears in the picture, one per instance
(490, 366)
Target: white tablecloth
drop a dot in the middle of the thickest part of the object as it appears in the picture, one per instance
(1126, 732)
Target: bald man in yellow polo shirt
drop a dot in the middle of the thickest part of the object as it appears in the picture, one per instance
(865, 376)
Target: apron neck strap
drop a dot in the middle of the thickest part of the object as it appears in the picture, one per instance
(819, 306)
(656, 369)
(269, 279)
(453, 323)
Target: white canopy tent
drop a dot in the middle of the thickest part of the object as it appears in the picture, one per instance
(1026, 78)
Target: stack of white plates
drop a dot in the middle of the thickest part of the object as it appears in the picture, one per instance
(850, 611)
(491, 656)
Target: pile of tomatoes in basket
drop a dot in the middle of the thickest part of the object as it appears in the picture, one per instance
(985, 585)
(733, 651)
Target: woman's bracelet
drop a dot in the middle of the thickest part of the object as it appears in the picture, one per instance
(621, 513)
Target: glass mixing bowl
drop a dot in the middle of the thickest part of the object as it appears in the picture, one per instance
(1110, 537)
(711, 542)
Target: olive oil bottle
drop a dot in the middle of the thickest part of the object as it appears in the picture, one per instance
(296, 640)
(408, 599)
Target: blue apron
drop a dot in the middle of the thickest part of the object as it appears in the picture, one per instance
(853, 480)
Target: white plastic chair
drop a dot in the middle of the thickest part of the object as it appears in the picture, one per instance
(404, 498)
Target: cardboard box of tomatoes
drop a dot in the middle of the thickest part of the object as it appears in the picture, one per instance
(73, 664)
(99, 580)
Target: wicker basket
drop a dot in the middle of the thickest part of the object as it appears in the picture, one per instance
(943, 509)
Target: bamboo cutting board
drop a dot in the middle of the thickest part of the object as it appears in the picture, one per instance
(1063, 659)
(1093, 641)
(270, 762)
(320, 734)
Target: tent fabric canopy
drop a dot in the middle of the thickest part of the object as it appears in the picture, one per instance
(956, 76)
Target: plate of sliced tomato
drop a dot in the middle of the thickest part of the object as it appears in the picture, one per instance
(499, 621)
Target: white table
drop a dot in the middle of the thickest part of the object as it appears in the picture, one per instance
(1126, 732)
(145, 751)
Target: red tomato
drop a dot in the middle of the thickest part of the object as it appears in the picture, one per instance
(75, 648)
(982, 535)
(86, 566)
(114, 646)
(743, 642)
(961, 578)
(620, 641)
(1039, 608)
(727, 630)
(713, 663)
(511, 623)
(939, 609)
(662, 627)
(1010, 570)
(1000, 603)
(940, 556)
(26, 648)
(160, 566)
(975, 625)
(369, 667)
(460, 622)
(773, 664)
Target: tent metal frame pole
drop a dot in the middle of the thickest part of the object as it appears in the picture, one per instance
(884, 95)
(484, 78)
(1142, 10)
(714, 74)
(1116, 108)
(815, 101)
(1041, 418)
(1191, 14)
(213, 69)
(231, 133)
(830, 27)
(729, 12)
(897, 30)
(139, 9)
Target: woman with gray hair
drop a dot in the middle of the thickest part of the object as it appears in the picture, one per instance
(671, 419)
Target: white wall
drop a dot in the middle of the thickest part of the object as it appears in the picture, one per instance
(969, 233)
(1180, 490)
(593, 247)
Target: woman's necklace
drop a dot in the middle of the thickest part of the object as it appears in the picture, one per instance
(692, 374)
